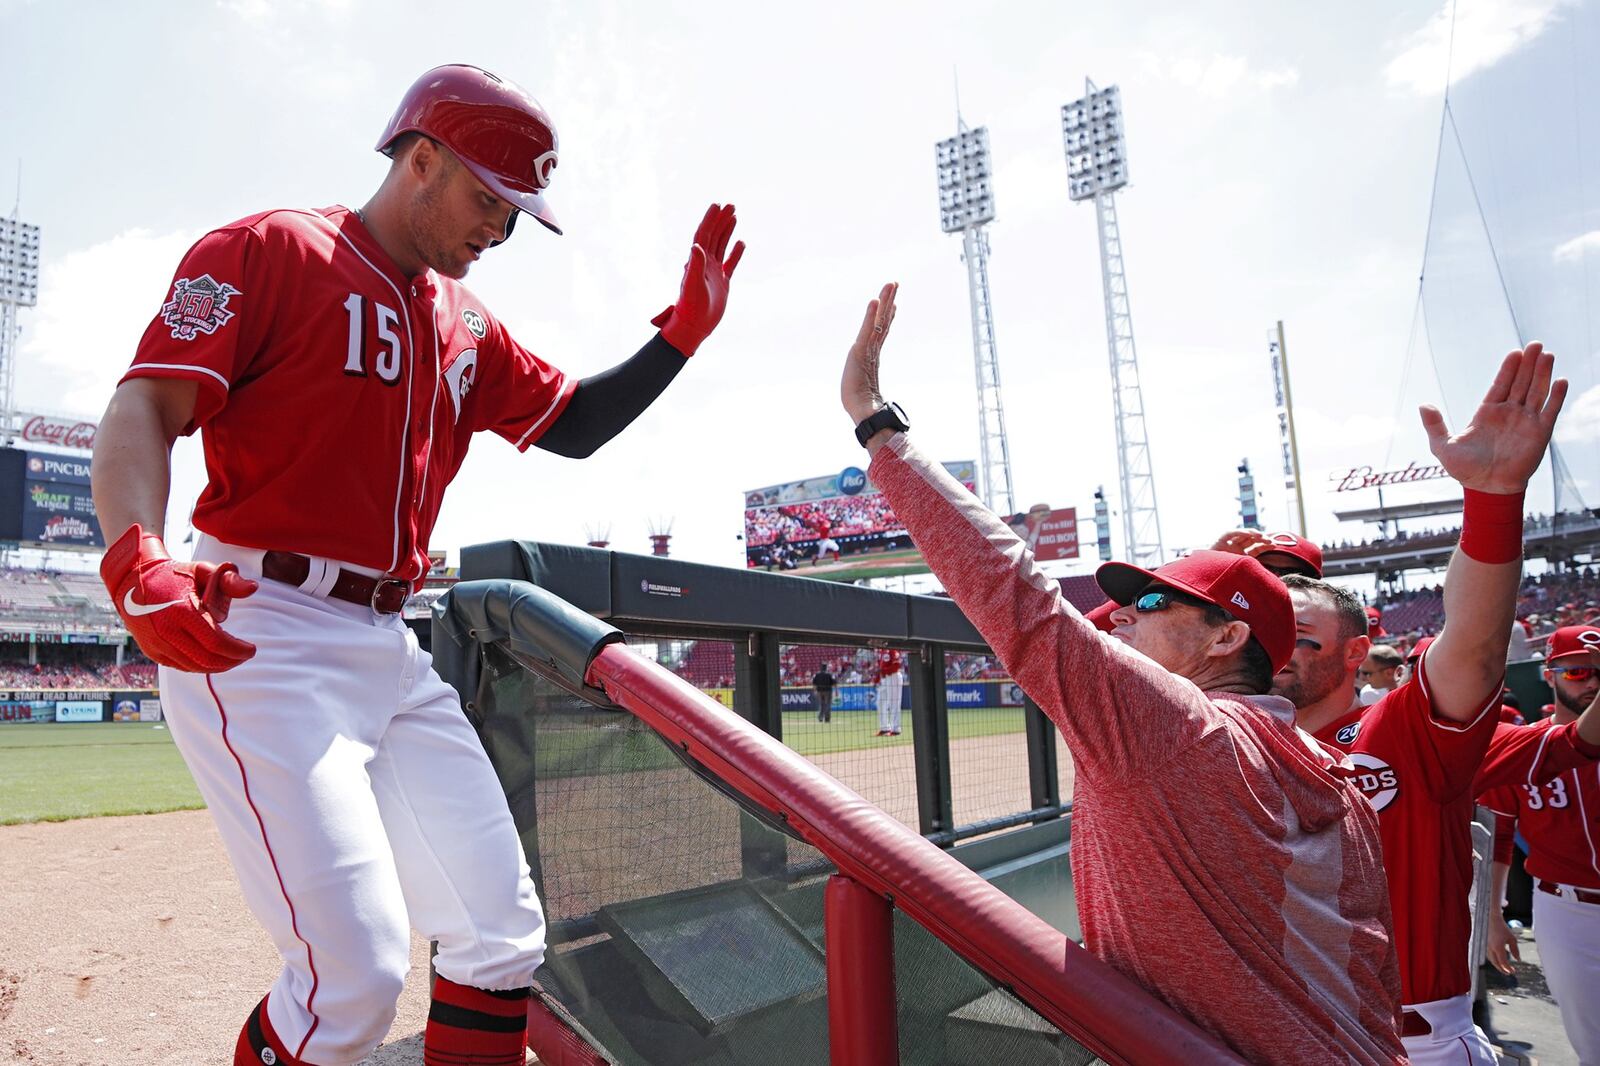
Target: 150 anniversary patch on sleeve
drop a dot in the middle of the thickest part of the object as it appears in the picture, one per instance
(198, 305)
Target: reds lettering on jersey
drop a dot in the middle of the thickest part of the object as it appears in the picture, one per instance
(1560, 819)
(1417, 770)
(1419, 773)
(332, 386)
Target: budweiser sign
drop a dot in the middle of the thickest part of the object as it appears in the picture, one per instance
(58, 433)
(1364, 477)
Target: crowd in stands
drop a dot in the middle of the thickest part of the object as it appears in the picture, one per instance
(17, 675)
(1546, 602)
(843, 516)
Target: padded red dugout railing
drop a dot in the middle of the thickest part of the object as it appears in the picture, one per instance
(879, 858)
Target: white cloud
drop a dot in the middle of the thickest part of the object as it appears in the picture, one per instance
(1218, 74)
(93, 306)
(1580, 419)
(259, 11)
(1484, 33)
(1568, 251)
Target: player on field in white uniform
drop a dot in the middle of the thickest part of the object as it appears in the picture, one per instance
(891, 685)
(339, 371)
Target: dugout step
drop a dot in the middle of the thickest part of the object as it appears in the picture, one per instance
(718, 955)
(996, 1019)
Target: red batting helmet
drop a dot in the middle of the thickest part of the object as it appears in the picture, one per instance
(493, 126)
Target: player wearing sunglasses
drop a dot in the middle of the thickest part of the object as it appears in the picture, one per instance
(1560, 820)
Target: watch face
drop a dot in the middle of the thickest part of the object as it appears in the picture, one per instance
(900, 413)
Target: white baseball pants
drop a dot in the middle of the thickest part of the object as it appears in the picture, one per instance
(1455, 1040)
(889, 702)
(1568, 933)
(355, 802)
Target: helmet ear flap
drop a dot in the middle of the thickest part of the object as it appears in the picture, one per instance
(511, 224)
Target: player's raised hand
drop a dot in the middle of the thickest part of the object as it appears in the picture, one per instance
(703, 295)
(1506, 440)
(858, 389)
(175, 610)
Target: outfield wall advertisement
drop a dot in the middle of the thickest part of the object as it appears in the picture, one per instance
(957, 695)
(22, 708)
(836, 525)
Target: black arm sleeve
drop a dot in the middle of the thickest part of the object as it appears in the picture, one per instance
(604, 404)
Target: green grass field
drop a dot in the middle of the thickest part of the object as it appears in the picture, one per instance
(851, 730)
(53, 772)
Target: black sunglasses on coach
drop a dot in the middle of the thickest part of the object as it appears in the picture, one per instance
(1162, 598)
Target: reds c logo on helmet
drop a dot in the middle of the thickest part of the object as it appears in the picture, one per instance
(542, 168)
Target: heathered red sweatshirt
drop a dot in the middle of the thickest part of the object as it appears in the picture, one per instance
(1216, 859)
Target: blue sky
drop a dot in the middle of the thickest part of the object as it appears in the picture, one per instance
(1281, 157)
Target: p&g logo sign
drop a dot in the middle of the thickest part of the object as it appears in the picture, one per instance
(852, 480)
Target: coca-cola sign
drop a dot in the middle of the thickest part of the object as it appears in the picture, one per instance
(58, 432)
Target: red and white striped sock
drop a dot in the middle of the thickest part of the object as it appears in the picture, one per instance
(475, 1027)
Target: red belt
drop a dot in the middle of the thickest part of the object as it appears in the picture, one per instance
(1582, 895)
(1414, 1024)
(385, 595)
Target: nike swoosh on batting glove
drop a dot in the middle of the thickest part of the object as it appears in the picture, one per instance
(703, 295)
(175, 610)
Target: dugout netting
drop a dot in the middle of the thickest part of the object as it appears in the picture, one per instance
(692, 869)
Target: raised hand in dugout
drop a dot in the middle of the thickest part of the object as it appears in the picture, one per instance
(858, 388)
(1505, 442)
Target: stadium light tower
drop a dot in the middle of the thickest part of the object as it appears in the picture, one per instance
(966, 205)
(1097, 166)
(19, 288)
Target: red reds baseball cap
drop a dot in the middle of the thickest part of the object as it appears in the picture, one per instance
(1571, 642)
(1299, 547)
(1417, 649)
(1375, 623)
(1236, 583)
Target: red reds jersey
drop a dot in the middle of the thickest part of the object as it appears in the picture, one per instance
(1560, 819)
(338, 396)
(1420, 772)
(1417, 770)
(888, 663)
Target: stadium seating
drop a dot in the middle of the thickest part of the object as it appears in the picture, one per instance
(709, 664)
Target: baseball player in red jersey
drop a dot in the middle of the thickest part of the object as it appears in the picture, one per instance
(1266, 919)
(1560, 820)
(891, 684)
(1417, 751)
(338, 370)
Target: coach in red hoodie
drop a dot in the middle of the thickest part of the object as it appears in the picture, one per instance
(1218, 860)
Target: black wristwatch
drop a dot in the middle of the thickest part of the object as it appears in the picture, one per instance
(891, 417)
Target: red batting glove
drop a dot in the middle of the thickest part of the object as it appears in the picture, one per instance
(175, 610)
(704, 293)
